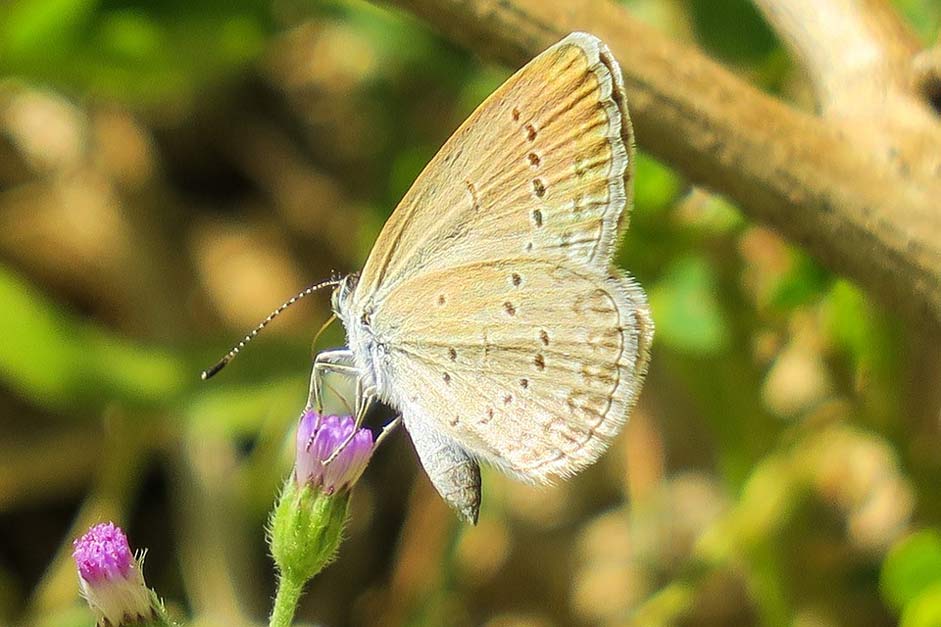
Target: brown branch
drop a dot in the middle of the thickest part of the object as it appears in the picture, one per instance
(849, 47)
(862, 59)
(810, 181)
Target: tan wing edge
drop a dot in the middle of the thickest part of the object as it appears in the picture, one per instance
(620, 131)
(638, 329)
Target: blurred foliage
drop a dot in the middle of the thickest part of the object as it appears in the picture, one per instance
(912, 568)
(170, 171)
(140, 52)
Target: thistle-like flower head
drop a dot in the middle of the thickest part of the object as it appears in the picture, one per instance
(110, 576)
(318, 437)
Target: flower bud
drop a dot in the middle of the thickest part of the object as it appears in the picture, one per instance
(307, 522)
(318, 437)
(110, 577)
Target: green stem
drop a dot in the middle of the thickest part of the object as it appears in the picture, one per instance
(285, 602)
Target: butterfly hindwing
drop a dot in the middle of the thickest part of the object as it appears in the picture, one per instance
(532, 365)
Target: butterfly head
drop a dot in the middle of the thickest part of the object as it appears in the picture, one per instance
(342, 295)
(357, 321)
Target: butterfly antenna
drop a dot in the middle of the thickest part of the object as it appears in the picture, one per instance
(222, 363)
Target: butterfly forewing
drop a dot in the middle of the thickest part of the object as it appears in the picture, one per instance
(540, 169)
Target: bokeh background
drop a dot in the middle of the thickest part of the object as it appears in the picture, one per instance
(171, 171)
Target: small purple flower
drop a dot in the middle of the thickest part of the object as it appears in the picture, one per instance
(317, 438)
(110, 577)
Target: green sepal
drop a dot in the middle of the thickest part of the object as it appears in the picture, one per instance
(306, 529)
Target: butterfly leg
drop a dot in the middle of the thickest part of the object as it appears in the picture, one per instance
(364, 400)
(387, 429)
(339, 361)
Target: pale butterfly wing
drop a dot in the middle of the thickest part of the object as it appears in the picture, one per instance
(530, 364)
(540, 169)
(487, 312)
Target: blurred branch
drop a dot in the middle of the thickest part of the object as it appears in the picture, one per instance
(419, 557)
(847, 46)
(812, 181)
(204, 466)
(864, 62)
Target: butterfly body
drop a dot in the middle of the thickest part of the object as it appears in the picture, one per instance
(488, 313)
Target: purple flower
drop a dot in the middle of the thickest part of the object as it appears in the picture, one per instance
(110, 576)
(317, 438)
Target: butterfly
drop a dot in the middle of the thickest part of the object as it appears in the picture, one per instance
(488, 314)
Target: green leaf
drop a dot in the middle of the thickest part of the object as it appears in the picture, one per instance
(31, 26)
(236, 409)
(655, 185)
(406, 167)
(57, 361)
(805, 283)
(925, 609)
(850, 318)
(718, 215)
(733, 29)
(141, 55)
(923, 15)
(911, 567)
(686, 310)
